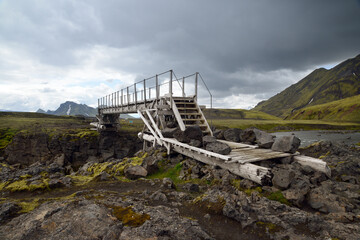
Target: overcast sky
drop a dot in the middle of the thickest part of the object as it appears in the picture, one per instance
(247, 51)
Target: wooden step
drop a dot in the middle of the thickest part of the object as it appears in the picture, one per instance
(200, 125)
(185, 103)
(185, 108)
(190, 114)
(192, 120)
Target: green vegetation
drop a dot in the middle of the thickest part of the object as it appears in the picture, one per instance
(6, 136)
(172, 173)
(278, 196)
(320, 86)
(217, 113)
(347, 109)
(272, 228)
(28, 206)
(128, 217)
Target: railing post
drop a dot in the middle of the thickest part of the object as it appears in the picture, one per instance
(121, 99)
(128, 97)
(170, 88)
(144, 94)
(183, 87)
(196, 85)
(98, 103)
(157, 87)
(135, 96)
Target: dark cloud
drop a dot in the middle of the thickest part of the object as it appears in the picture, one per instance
(242, 47)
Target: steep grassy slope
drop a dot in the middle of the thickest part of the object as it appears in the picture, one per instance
(320, 86)
(347, 109)
(237, 114)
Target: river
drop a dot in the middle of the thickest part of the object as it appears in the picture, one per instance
(309, 137)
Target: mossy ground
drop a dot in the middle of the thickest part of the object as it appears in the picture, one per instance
(128, 217)
(172, 173)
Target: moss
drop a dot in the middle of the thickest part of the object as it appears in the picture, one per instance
(278, 196)
(2, 185)
(128, 217)
(20, 185)
(324, 156)
(6, 136)
(172, 173)
(272, 228)
(26, 176)
(250, 190)
(28, 206)
(81, 180)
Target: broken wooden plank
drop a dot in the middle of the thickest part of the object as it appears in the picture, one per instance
(235, 145)
(314, 163)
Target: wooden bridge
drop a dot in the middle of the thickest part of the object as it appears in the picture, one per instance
(164, 101)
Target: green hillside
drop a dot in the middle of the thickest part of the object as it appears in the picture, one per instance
(320, 86)
(218, 113)
(347, 109)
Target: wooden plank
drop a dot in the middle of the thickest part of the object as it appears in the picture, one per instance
(150, 128)
(177, 115)
(260, 175)
(235, 145)
(314, 163)
(200, 150)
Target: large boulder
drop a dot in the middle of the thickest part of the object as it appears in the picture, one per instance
(208, 139)
(190, 133)
(150, 163)
(288, 144)
(264, 139)
(282, 178)
(135, 172)
(218, 147)
(169, 132)
(232, 134)
(248, 136)
(219, 134)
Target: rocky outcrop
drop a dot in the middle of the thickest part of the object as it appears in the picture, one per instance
(192, 135)
(288, 144)
(69, 148)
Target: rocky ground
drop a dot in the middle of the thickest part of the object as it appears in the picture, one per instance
(97, 187)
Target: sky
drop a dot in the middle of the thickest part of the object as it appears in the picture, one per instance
(246, 50)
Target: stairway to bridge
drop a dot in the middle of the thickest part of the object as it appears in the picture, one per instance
(166, 102)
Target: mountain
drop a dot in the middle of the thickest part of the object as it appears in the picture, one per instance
(347, 109)
(320, 86)
(72, 108)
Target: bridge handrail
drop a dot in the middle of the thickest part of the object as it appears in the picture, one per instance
(132, 96)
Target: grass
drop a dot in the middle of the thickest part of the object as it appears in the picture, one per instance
(218, 113)
(347, 109)
(172, 173)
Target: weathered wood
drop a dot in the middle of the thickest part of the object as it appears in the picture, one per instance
(314, 163)
(177, 115)
(260, 175)
(150, 128)
(235, 145)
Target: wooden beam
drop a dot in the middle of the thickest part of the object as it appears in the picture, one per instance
(314, 163)
(150, 128)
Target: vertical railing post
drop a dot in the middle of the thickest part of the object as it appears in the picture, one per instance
(144, 94)
(118, 99)
(196, 85)
(135, 96)
(170, 88)
(98, 103)
(157, 87)
(121, 99)
(183, 87)
(128, 96)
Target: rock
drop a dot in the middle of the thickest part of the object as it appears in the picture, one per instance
(169, 132)
(322, 200)
(190, 133)
(218, 147)
(219, 134)
(264, 139)
(103, 176)
(55, 183)
(248, 136)
(158, 196)
(135, 172)
(53, 221)
(150, 163)
(282, 178)
(288, 144)
(8, 210)
(195, 143)
(208, 139)
(168, 183)
(67, 181)
(191, 187)
(317, 178)
(296, 194)
(232, 134)
(349, 179)
(60, 159)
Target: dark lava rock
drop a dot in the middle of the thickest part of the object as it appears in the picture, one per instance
(190, 133)
(288, 144)
(191, 187)
(195, 143)
(7, 211)
(218, 147)
(150, 163)
(264, 139)
(219, 134)
(248, 135)
(208, 139)
(169, 132)
(232, 134)
(135, 172)
(282, 178)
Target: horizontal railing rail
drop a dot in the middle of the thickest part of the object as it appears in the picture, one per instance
(153, 88)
